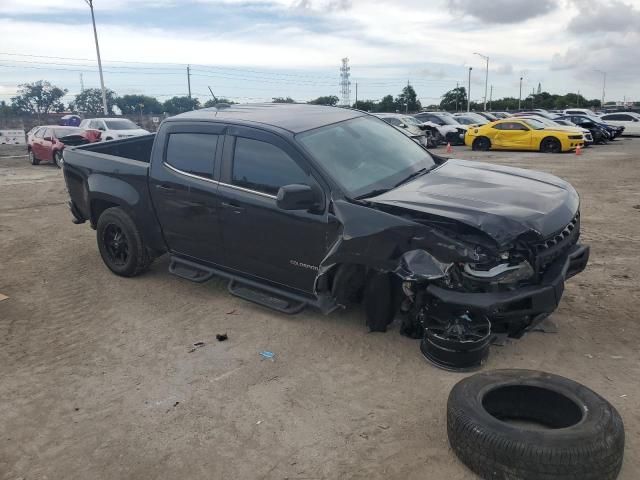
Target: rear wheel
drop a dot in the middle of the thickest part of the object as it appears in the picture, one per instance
(57, 159)
(32, 158)
(481, 143)
(121, 244)
(550, 145)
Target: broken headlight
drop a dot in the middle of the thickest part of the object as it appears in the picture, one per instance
(501, 273)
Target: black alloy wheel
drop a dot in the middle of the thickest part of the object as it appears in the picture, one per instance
(550, 145)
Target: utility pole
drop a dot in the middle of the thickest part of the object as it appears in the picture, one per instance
(469, 92)
(457, 92)
(486, 77)
(578, 98)
(604, 85)
(356, 96)
(95, 35)
(189, 79)
(407, 98)
(490, 96)
(81, 83)
(520, 94)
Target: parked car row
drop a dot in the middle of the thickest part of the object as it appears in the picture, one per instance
(46, 143)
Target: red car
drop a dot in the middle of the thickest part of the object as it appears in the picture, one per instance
(45, 144)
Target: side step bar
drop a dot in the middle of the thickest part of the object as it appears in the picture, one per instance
(251, 290)
(266, 299)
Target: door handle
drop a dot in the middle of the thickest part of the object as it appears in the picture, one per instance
(235, 208)
(165, 189)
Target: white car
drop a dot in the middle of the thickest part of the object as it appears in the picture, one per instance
(449, 128)
(629, 120)
(113, 128)
(578, 111)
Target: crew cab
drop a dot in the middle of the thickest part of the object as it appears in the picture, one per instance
(305, 205)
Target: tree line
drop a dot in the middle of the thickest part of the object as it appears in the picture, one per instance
(42, 97)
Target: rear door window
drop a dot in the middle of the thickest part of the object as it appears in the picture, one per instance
(192, 153)
(263, 167)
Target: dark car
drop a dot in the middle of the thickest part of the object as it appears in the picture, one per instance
(304, 205)
(591, 121)
(46, 143)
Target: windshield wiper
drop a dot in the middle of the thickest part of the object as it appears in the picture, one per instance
(372, 193)
(419, 173)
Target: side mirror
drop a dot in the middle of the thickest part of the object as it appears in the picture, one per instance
(636, 120)
(296, 197)
(403, 125)
(47, 139)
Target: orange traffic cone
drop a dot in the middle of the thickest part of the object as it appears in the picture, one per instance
(449, 149)
(578, 150)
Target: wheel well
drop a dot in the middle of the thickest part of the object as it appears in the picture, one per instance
(97, 207)
(550, 137)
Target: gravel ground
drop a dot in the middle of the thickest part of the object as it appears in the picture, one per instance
(98, 380)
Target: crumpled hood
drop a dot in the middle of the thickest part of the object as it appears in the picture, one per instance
(502, 202)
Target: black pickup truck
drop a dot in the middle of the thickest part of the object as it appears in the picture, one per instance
(303, 205)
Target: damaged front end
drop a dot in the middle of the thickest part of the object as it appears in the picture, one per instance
(458, 287)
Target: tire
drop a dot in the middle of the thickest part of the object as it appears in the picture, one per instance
(550, 145)
(481, 143)
(121, 244)
(57, 159)
(32, 158)
(378, 302)
(585, 442)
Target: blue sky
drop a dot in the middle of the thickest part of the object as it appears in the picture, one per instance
(255, 50)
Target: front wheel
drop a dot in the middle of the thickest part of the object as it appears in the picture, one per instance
(57, 159)
(550, 145)
(33, 159)
(481, 143)
(121, 244)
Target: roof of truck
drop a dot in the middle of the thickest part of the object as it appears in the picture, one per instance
(294, 117)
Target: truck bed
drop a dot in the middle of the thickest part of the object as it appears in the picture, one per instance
(105, 174)
(134, 148)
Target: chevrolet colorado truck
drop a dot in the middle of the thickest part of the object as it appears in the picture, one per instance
(302, 205)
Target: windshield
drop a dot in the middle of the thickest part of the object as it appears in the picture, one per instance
(533, 123)
(593, 118)
(365, 155)
(123, 124)
(447, 119)
(468, 120)
(64, 132)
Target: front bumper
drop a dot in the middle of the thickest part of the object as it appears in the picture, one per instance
(533, 301)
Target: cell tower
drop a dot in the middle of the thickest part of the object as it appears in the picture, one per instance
(345, 83)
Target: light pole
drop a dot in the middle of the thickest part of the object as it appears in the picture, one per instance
(95, 35)
(469, 92)
(520, 94)
(604, 85)
(486, 77)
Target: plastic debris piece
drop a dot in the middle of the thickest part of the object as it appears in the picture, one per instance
(3, 297)
(196, 346)
(221, 337)
(267, 354)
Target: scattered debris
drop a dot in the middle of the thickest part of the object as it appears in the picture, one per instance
(383, 427)
(3, 297)
(196, 346)
(77, 409)
(176, 404)
(266, 354)
(588, 355)
(258, 422)
(231, 312)
(616, 357)
(221, 337)
(637, 207)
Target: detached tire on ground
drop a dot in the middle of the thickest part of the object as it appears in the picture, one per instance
(120, 243)
(583, 438)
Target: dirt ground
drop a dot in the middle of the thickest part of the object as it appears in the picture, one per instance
(97, 380)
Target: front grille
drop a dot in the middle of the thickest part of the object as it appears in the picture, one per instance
(557, 245)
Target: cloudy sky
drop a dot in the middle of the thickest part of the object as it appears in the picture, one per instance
(252, 50)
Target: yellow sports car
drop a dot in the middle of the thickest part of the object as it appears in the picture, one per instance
(523, 134)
